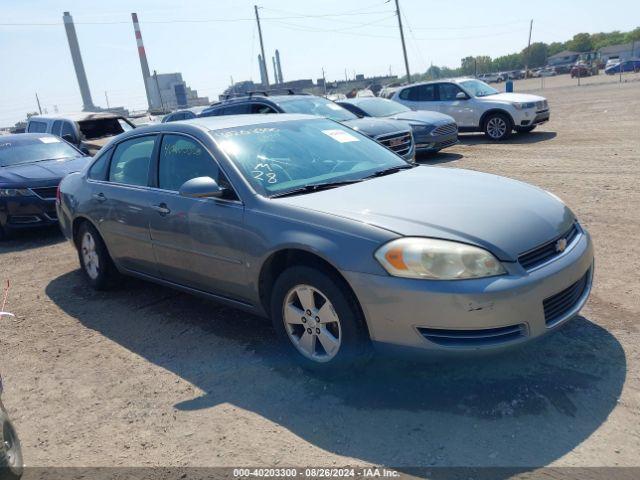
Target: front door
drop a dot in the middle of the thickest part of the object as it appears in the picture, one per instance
(198, 242)
(460, 109)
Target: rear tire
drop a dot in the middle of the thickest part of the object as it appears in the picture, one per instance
(11, 462)
(319, 321)
(527, 129)
(498, 126)
(95, 261)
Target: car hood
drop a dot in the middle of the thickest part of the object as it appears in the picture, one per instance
(374, 127)
(29, 174)
(514, 97)
(505, 216)
(424, 116)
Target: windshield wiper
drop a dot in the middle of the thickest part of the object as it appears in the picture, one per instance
(389, 171)
(314, 187)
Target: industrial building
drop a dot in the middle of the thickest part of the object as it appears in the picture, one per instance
(168, 91)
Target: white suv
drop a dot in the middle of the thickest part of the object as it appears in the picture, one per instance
(477, 107)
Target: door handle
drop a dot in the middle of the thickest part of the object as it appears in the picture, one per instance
(162, 209)
(99, 197)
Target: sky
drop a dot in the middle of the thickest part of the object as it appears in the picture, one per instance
(212, 41)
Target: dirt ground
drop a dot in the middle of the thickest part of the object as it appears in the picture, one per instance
(145, 376)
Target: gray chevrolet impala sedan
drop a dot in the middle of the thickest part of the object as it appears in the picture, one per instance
(341, 242)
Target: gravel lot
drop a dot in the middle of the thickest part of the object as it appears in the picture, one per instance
(147, 376)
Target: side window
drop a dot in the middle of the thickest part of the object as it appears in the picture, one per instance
(131, 160)
(37, 127)
(57, 126)
(236, 109)
(408, 94)
(181, 159)
(67, 129)
(448, 91)
(98, 170)
(212, 113)
(427, 93)
(261, 108)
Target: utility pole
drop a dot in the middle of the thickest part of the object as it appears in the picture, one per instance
(38, 100)
(324, 81)
(526, 60)
(266, 73)
(404, 46)
(107, 99)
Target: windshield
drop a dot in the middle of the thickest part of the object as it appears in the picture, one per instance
(29, 150)
(317, 106)
(380, 107)
(477, 88)
(282, 156)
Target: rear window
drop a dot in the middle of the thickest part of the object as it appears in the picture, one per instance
(103, 127)
(37, 127)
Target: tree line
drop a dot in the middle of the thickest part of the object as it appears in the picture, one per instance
(537, 54)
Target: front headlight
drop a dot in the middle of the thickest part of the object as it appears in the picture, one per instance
(433, 259)
(525, 105)
(16, 192)
(421, 127)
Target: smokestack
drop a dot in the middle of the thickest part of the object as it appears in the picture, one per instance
(279, 67)
(74, 47)
(263, 71)
(144, 65)
(275, 71)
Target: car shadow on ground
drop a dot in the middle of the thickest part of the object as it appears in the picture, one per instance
(31, 238)
(437, 158)
(525, 408)
(515, 139)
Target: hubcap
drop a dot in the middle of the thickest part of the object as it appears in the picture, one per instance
(496, 127)
(90, 256)
(312, 323)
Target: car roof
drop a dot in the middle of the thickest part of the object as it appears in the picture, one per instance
(440, 80)
(25, 136)
(360, 100)
(77, 116)
(227, 121)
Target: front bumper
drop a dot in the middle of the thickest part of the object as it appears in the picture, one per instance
(534, 118)
(481, 315)
(27, 212)
(433, 143)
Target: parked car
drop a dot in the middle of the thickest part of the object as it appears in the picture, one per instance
(88, 131)
(491, 77)
(338, 240)
(550, 72)
(31, 167)
(393, 134)
(516, 75)
(432, 131)
(11, 463)
(632, 65)
(582, 70)
(184, 114)
(611, 61)
(476, 106)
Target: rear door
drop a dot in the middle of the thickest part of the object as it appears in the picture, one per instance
(420, 97)
(198, 242)
(123, 200)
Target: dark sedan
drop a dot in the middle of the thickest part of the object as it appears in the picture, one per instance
(632, 65)
(432, 131)
(31, 167)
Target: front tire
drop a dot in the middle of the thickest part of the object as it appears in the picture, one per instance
(319, 320)
(498, 126)
(11, 462)
(95, 261)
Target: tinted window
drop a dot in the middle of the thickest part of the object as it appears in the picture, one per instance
(261, 108)
(19, 149)
(131, 160)
(236, 109)
(98, 170)
(448, 91)
(427, 93)
(37, 127)
(57, 125)
(67, 129)
(212, 113)
(182, 159)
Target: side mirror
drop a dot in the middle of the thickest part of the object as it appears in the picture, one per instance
(67, 137)
(461, 96)
(201, 187)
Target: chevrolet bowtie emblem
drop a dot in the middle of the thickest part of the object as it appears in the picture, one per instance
(561, 245)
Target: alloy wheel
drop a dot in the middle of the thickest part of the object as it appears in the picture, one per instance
(90, 256)
(312, 324)
(496, 127)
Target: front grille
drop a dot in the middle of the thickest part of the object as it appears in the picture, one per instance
(447, 129)
(549, 250)
(446, 143)
(46, 193)
(398, 142)
(558, 305)
(470, 338)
